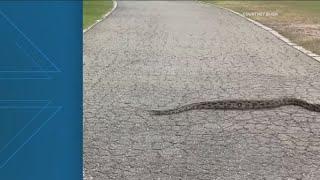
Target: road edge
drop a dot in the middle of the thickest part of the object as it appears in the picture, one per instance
(115, 4)
(273, 32)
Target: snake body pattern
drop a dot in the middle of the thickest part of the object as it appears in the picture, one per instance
(240, 105)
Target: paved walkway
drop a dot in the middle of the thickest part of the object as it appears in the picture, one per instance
(161, 54)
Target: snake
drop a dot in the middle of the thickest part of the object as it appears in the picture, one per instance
(238, 104)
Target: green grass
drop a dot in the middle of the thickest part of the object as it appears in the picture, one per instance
(297, 20)
(94, 10)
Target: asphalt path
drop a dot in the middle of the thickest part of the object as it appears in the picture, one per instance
(158, 54)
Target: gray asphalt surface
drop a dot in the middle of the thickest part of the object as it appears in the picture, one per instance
(150, 55)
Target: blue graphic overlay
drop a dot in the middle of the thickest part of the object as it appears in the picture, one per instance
(28, 61)
(41, 90)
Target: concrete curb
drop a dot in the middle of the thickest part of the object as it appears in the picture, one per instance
(275, 33)
(115, 4)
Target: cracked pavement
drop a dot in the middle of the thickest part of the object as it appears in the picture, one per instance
(157, 54)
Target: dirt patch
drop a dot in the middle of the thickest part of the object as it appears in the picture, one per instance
(312, 30)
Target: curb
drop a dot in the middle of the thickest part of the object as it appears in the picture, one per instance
(115, 4)
(275, 33)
